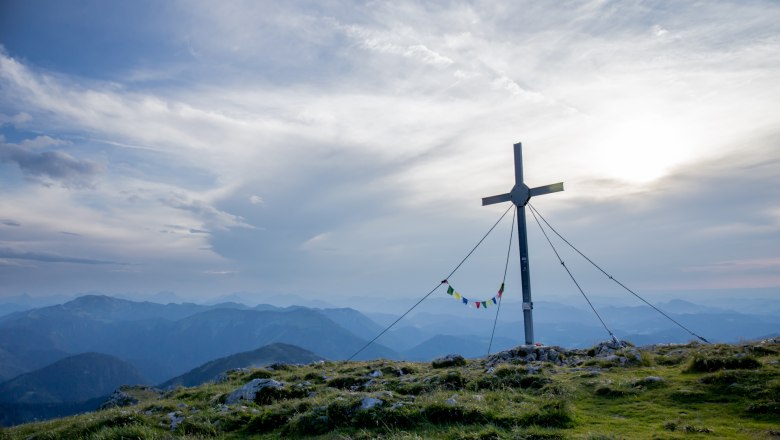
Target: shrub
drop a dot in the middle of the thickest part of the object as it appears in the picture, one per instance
(702, 364)
(314, 377)
(259, 374)
(669, 360)
(766, 407)
(309, 424)
(267, 421)
(346, 382)
(404, 417)
(270, 395)
(441, 414)
(129, 432)
(412, 388)
(608, 391)
(686, 396)
(503, 377)
(450, 381)
(196, 427)
(760, 350)
(554, 414)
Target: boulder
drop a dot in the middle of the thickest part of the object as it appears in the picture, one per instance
(451, 360)
(249, 391)
(529, 353)
(370, 403)
(117, 399)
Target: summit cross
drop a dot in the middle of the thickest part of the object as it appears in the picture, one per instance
(520, 195)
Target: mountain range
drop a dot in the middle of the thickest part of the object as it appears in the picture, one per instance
(109, 341)
(164, 341)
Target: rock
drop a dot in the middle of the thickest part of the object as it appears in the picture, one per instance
(248, 392)
(118, 399)
(452, 401)
(649, 381)
(225, 376)
(530, 353)
(451, 360)
(370, 403)
(175, 418)
(376, 373)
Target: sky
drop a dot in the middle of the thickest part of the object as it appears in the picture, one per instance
(339, 149)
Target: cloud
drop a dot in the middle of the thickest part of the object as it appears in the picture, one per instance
(17, 119)
(41, 142)
(385, 123)
(46, 257)
(210, 215)
(7, 222)
(47, 166)
(220, 272)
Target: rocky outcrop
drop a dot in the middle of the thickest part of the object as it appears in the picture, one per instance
(249, 391)
(616, 352)
(129, 395)
(529, 353)
(119, 398)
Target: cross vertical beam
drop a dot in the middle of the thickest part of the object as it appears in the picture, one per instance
(520, 195)
(522, 243)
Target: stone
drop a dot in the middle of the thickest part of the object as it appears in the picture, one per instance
(370, 402)
(648, 381)
(118, 399)
(249, 391)
(225, 376)
(376, 373)
(451, 360)
(452, 401)
(175, 418)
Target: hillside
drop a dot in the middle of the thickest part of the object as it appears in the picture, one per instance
(610, 391)
(73, 379)
(269, 354)
(69, 386)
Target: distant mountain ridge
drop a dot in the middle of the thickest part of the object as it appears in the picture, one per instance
(163, 341)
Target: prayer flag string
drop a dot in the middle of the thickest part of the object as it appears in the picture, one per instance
(479, 304)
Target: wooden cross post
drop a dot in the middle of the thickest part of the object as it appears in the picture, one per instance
(520, 195)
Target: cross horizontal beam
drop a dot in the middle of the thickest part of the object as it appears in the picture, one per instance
(538, 191)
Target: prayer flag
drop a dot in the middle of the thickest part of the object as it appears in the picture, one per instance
(465, 301)
(450, 290)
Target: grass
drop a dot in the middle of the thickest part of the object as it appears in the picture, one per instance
(676, 392)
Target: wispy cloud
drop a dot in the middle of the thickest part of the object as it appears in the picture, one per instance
(50, 166)
(385, 123)
(47, 257)
(209, 214)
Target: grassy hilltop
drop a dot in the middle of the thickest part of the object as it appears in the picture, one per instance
(671, 392)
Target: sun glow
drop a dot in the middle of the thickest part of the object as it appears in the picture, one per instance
(643, 149)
